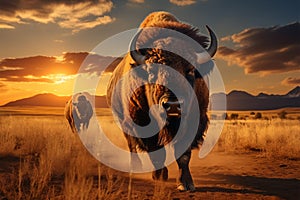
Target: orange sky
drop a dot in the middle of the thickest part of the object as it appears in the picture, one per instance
(44, 42)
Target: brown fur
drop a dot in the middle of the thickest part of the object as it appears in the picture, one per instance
(69, 115)
(166, 20)
(155, 17)
(136, 107)
(77, 114)
(139, 102)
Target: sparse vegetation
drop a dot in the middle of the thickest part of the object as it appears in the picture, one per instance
(282, 114)
(234, 116)
(49, 161)
(224, 116)
(273, 138)
(258, 115)
(42, 159)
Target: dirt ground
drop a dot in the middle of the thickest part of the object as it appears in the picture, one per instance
(248, 174)
(230, 176)
(217, 176)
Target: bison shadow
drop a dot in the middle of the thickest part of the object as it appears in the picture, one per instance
(281, 187)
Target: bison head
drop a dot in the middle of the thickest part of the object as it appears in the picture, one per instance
(165, 49)
(154, 51)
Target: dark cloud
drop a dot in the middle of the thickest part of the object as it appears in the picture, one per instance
(265, 50)
(8, 6)
(35, 66)
(84, 14)
(90, 62)
(291, 81)
(40, 68)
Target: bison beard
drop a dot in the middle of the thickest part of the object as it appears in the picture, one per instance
(151, 94)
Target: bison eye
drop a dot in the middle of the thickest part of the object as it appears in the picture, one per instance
(166, 106)
(191, 72)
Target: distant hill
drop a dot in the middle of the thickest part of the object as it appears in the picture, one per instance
(52, 100)
(236, 100)
(41, 100)
(241, 100)
(294, 92)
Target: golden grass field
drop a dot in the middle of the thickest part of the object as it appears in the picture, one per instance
(40, 158)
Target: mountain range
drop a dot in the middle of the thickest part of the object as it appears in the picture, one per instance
(236, 100)
(241, 100)
(51, 100)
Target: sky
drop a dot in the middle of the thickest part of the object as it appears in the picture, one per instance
(43, 43)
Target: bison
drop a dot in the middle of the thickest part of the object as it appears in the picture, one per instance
(78, 113)
(138, 106)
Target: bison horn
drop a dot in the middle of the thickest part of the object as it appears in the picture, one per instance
(211, 50)
(134, 53)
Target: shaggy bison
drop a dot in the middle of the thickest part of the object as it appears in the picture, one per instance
(137, 108)
(78, 113)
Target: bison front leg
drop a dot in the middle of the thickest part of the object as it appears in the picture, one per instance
(158, 160)
(185, 180)
(135, 161)
(86, 125)
(77, 125)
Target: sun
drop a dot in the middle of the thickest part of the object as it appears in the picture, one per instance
(60, 78)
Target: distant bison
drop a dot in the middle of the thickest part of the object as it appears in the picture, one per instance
(144, 97)
(78, 113)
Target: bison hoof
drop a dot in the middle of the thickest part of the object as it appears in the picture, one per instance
(181, 187)
(161, 174)
(191, 188)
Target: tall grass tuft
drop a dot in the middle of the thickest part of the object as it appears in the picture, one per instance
(50, 161)
(273, 138)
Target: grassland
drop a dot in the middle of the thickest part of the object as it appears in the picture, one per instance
(40, 158)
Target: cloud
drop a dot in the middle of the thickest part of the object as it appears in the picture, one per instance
(28, 78)
(50, 69)
(6, 26)
(264, 50)
(137, 1)
(76, 15)
(291, 81)
(58, 41)
(183, 2)
(77, 25)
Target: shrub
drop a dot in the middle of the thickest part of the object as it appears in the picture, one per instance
(225, 116)
(258, 115)
(234, 116)
(282, 114)
(213, 117)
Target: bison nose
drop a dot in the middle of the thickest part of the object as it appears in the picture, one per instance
(171, 105)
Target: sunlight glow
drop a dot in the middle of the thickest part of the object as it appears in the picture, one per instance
(59, 78)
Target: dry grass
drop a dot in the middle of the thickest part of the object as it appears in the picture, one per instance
(272, 138)
(41, 159)
(47, 161)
